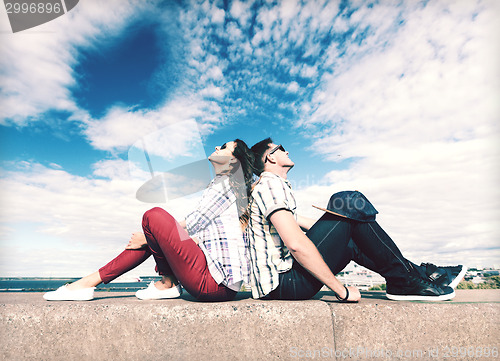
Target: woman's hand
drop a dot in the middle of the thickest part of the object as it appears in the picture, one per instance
(305, 223)
(137, 241)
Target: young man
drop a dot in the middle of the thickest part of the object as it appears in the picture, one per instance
(288, 264)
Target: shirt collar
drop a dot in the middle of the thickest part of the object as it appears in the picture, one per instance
(270, 174)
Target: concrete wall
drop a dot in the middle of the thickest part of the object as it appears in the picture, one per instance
(117, 326)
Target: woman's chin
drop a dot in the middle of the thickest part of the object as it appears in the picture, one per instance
(218, 159)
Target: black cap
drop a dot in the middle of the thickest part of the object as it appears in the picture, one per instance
(351, 204)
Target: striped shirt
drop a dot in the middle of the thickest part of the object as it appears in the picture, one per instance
(268, 254)
(216, 224)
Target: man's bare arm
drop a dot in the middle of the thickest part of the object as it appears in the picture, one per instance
(306, 253)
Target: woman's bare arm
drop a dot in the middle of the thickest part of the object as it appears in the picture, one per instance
(305, 222)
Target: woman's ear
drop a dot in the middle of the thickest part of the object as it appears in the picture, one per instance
(233, 160)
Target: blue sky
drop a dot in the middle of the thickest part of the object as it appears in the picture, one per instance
(398, 99)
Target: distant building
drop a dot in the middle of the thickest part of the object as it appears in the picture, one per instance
(477, 279)
(361, 277)
(480, 275)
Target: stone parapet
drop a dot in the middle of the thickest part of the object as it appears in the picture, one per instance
(117, 326)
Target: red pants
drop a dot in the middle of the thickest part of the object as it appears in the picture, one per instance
(175, 254)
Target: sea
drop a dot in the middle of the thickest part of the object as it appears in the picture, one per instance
(33, 284)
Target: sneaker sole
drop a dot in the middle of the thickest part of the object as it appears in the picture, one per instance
(80, 295)
(145, 298)
(446, 297)
(157, 298)
(459, 278)
(70, 299)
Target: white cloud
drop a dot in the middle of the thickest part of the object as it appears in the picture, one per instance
(214, 73)
(212, 92)
(218, 15)
(240, 11)
(288, 10)
(112, 169)
(308, 71)
(416, 109)
(293, 87)
(121, 127)
(51, 215)
(413, 106)
(419, 87)
(37, 64)
(439, 202)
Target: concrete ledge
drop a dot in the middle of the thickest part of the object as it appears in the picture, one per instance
(379, 329)
(119, 326)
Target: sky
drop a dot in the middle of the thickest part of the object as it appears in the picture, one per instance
(396, 99)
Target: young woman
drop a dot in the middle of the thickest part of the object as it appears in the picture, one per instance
(205, 253)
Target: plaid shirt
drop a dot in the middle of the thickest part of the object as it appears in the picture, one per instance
(216, 224)
(268, 254)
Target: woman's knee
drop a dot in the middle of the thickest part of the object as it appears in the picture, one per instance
(157, 214)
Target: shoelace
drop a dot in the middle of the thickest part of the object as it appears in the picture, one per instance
(427, 282)
(431, 268)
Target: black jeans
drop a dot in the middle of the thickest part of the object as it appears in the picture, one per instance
(341, 240)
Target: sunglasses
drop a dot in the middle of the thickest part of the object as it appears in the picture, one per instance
(223, 146)
(278, 147)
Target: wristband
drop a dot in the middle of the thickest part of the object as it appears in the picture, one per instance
(346, 295)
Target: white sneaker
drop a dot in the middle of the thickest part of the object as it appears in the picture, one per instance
(153, 293)
(64, 294)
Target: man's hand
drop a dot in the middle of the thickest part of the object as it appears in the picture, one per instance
(137, 241)
(354, 295)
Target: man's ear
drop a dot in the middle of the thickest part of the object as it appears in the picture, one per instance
(271, 159)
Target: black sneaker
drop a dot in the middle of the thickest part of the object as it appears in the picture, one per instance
(418, 289)
(444, 276)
